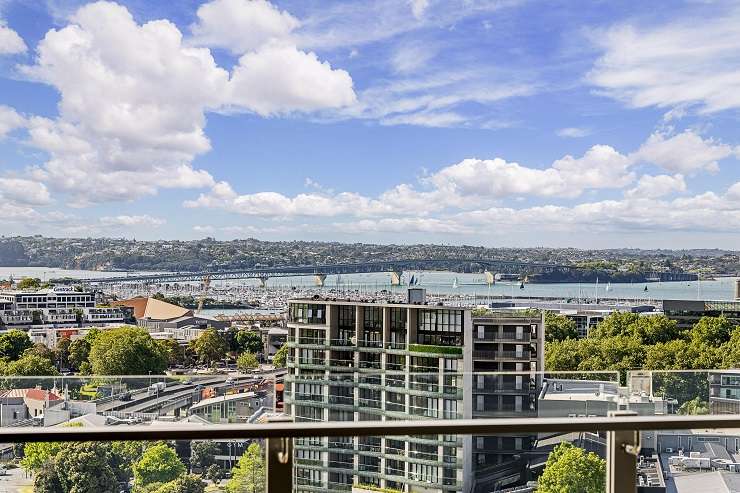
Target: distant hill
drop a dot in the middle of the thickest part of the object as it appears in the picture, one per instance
(209, 254)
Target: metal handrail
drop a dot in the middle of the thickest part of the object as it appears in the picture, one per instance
(370, 428)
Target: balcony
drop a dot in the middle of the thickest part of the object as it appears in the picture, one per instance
(501, 355)
(423, 432)
(505, 337)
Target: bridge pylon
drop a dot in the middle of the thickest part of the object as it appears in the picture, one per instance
(396, 277)
(490, 278)
(319, 279)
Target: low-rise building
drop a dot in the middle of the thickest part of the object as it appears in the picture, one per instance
(59, 307)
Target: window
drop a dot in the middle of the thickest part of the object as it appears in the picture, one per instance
(372, 318)
(480, 403)
(307, 313)
(346, 317)
(481, 332)
(479, 444)
(398, 318)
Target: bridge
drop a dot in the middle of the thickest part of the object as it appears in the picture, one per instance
(394, 267)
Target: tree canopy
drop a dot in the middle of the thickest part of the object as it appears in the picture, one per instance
(247, 361)
(249, 341)
(158, 464)
(13, 343)
(570, 469)
(559, 327)
(279, 360)
(249, 474)
(210, 346)
(126, 351)
(628, 341)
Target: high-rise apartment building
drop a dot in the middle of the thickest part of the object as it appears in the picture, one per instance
(365, 360)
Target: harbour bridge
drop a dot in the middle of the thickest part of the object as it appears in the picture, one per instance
(491, 267)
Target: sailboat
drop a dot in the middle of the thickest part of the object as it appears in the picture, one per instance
(645, 288)
(455, 284)
(412, 281)
(521, 285)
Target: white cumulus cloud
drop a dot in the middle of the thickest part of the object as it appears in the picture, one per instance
(134, 98)
(685, 153)
(657, 186)
(10, 41)
(9, 120)
(241, 25)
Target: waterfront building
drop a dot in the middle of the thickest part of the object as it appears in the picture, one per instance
(380, 361)
(54, 311)
(585, 315)
(166, 320)
(688, 312)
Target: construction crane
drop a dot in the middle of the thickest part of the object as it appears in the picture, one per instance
(206, 283)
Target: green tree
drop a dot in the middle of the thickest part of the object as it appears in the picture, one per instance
(13, 343)
(214, 473)
(559, 327)
(36, 454)
(158, 464)
(175, 353)
(570, 469)
(40, 349)
(187, 483)
(247, 361)
(83, 467)
(61, 351)
(126, 351)
(694, 406)
(203, 454)
(249, 341)
(79, 352)
(210, 346)
(46, 479)
(249, 474)
(713, 331)
(279, 360)
(30, 366)
(29, 283)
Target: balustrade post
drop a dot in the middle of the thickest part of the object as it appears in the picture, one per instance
(622, 449)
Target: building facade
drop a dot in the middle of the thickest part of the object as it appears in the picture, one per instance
(366, 361)
(58, 307)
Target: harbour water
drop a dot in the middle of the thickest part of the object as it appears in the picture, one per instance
(444, 283)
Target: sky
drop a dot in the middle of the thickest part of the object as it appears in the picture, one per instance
(491, 122)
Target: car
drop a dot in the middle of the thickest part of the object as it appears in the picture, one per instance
(125, 397)
(230, 381)
(187, 381)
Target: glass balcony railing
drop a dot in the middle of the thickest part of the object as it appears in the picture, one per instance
(324, 432)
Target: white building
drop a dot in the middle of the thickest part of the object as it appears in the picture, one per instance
(48, 312)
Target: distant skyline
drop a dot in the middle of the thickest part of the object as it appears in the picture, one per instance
(492, 122)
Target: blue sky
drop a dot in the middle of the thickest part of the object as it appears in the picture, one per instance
(498, 123)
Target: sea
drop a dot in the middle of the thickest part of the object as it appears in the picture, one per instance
(452, 283)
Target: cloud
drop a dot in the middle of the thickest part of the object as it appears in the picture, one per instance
(10, 42)
(685, 153)
(23, 191)
(128, 221)
(241, 25)
(434, 99)
(573, 132)
(9, 120)
(657, 186)
(418, 7)
(410, 57)
(279, 79)
(600, 167)
(686, 62)
(134, 99)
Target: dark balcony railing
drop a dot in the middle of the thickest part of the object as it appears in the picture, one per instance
(621, 432)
